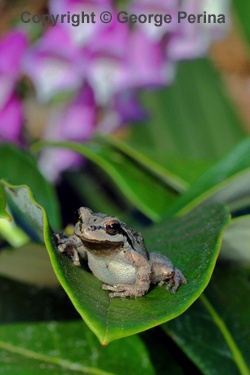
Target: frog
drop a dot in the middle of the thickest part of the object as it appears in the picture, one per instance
(116, 254)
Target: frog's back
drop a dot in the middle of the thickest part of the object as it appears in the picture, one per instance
(135, 240)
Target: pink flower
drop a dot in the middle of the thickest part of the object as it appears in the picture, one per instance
(184, 40)
(155, 32)
(121, 59)
(12, 47)
(146, 64)
(192, 40)
(53, 64)
(82, 33)
(11, 116)
(76, 122)
(105, 61)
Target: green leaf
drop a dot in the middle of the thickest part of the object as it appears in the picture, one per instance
(228, 181)
(130, 178)
(12, 233)
(68, 348)
(215, 331)
(181, 239)
(190, 117)
(29, 264)
(236, 241)
(18, 167)
(3, 213)
(22, 302)
(242, 9)
(22, 198)
(171, 179)
(177, 172)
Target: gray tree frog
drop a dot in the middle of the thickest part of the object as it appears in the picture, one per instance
(116, 255)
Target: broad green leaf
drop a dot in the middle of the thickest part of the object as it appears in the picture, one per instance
(171, 179)
(18, 167)
(228, 181)
(175, 171)
(29, 264)
(215, 331)
(68, 348)
(191, 242)
(130, 178)
(191, 117)
(242, 10)
(236, 240)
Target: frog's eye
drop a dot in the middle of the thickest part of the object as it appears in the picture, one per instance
(113, 227)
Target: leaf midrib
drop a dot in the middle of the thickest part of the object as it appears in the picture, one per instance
(73, 366)
(236, 353)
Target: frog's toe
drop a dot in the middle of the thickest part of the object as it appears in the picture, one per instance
(114, 288)
(106, 287)
(177, 279)
(117, 294)
(118, 290)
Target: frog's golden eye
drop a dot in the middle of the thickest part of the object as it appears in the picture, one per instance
(113, 227)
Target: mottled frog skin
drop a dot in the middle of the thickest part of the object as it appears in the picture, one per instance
(116, 255)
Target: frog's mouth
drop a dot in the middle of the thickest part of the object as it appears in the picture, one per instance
(102, 246)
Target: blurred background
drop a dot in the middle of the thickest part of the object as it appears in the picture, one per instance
(138, 120)
(176, 91)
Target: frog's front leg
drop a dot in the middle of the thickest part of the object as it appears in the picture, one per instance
(142, 282)
(163, 272)
(72, 246)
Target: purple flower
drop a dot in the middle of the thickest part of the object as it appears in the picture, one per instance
(53, 64)
(128, 108)
(11, 116)
(146, 65)
(185, 40)
(152, 29)
(83, 32)
(105, 61)
(75, 122)
(120, 59)
(192, 40)
(12, 47)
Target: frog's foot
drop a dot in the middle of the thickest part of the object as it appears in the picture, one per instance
(175, 281)
(65, 245)
(124, 290)
(62, 242)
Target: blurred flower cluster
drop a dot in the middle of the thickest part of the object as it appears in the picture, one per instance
(90, 75)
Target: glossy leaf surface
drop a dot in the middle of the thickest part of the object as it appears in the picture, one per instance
(130, 178)
(228, 181)
(215, 331)
(18, 167)
(191, 242)
(68, 348)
